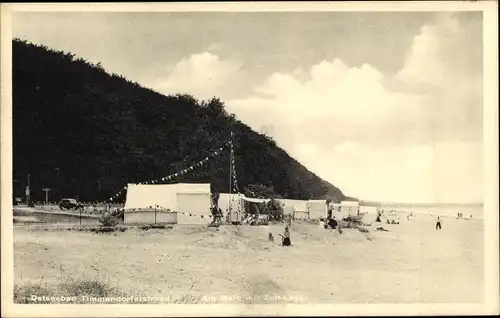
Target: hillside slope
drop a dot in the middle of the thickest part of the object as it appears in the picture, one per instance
(86, 133)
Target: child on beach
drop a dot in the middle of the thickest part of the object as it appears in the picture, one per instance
(271, 237)
(438, 223)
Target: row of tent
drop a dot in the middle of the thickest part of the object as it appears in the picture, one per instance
(190, 203)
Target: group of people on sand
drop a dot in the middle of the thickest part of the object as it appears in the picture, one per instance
(332, 223)
(391, 222)
(460, 215)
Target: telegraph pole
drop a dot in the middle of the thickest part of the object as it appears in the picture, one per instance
(28, 196)
(230, 174)
(47, 190)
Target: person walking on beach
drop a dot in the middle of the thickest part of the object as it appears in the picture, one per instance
(286, 237)
(438, 223)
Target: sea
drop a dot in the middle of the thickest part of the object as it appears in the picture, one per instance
(468, 211)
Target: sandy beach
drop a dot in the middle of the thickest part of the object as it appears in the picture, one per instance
(410, 263)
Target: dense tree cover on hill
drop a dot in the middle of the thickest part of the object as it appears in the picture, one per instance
(86, 133)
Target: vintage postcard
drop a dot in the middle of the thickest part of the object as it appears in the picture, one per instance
(234, 159)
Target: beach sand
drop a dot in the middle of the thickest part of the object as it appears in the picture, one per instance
(411, 263)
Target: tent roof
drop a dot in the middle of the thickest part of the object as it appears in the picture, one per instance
(350, 203)
(255, 200)
(144, 196)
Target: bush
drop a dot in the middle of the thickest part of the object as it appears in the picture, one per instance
(109, 219)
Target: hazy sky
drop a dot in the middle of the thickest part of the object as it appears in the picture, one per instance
(386, 106)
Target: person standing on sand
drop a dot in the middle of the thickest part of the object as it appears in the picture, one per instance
(286, 237)
(438, 223)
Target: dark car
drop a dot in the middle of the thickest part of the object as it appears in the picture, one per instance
(17, 201)
(70, 204)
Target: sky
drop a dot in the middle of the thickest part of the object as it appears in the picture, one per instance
(386, 106)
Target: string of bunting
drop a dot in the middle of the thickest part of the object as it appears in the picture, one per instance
(180, 173)
(235, 179)
(160, 208)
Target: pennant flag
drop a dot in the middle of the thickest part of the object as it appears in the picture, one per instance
(192, 167)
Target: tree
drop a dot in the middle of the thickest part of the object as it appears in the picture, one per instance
(99, 128)
(261, 191)
(275, 210)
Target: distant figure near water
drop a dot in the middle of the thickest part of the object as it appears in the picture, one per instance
(438, 223)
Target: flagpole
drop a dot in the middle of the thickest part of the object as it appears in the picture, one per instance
(230, 174)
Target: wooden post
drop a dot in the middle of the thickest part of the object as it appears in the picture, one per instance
(28, 192)
(47, 190)
(230, 176)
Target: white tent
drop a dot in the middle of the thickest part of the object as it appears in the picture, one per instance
(287, 207)
(349, 208)
(149, 196)
(317, 209)
(281, 202)
(298, 205)
(233, 199)
(232, 202)
(193, 203)
(255, 200)
(167, 203)
(334, 206)
(300, 210)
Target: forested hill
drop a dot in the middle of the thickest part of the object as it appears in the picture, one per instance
(85, 133)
